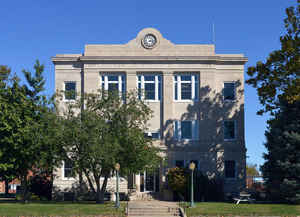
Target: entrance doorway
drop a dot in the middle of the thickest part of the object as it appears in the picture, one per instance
(149, 181)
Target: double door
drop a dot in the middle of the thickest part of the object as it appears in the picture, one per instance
(149, 181)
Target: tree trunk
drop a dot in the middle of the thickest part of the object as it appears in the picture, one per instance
(6, 186)
(90, 182)
(99, 197)
(24, 185)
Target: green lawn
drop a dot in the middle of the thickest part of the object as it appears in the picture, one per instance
(60, 209)
(229, 209)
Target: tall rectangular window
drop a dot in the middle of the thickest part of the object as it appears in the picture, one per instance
(70, 90)
(113, 82)
(68, 169)
(186, 87)
(229, 91)
(149, 87)
(230, 169)
(229, 130)
(186, 130)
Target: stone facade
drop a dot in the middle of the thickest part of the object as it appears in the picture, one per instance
(193, 120)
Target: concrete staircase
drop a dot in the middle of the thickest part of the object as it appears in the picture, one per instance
(143, 196)
(152, 209)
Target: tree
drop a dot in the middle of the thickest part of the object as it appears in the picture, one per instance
(279, 76)
(24, 126)
(109, 130)
(282, 167)
(251, 170)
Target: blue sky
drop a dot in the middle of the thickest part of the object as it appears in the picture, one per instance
(34, 29)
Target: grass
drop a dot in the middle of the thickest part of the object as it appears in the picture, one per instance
(60, 209)
(230, 209)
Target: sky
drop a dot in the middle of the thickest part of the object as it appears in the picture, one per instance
(33, 29)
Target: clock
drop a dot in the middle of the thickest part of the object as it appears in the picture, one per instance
(149, 41)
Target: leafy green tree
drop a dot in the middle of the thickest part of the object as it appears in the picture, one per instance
(25, 126)
(279, 76)
(109, 130)
(177, 180)
(251, 170)
(282, 167)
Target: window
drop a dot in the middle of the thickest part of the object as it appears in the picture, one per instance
(229, 91)
(149, 87)
(179, 163)
(113, 83)
(68, 169)
(153, 135)
(70, 90)
(186, 87)
(230, 169)
(229, 130)
(186, 130)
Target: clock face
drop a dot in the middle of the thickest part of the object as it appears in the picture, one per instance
(149, 41)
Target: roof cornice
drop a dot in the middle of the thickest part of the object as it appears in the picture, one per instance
(151, 58)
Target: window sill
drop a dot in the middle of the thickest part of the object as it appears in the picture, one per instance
(68, 179)
(229, 100)
(230, 179)
(151, 100)
(229, 140)
(186, 140)
(186, 100)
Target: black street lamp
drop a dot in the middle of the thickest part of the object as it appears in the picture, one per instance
(192, 168)
(117, 168)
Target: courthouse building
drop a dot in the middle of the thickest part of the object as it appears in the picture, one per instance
(197, 97)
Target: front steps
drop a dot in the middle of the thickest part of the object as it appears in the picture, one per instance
(143, 196)
(152, 209)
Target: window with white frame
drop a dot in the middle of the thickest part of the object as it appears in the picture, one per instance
(113, 82)
(153, 135)
(186, 87)
(230, 169)
(229, 91)
(229, 130)
(186, 130)
(149, 87)
(68, 169)
(70, 90)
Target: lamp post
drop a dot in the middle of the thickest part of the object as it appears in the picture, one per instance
(192, 167)
(117, 168)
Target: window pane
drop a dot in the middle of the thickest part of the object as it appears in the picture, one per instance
(186, 78)
(186, 129)
(140, 90)
(113, 87)
(229, 91)
(149, 78)
(150, 91)
(229, 130)
(155, 135)
(159, 87)
(196, 88)
(179, 163)
(70, 90)
(229, 169)
(113, 78)
(68, 169)
(186, 91)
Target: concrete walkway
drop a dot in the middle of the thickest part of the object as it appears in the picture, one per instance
(152, 208)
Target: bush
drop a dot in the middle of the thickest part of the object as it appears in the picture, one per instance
(41, 187)
(177, 180)
(205, 189)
